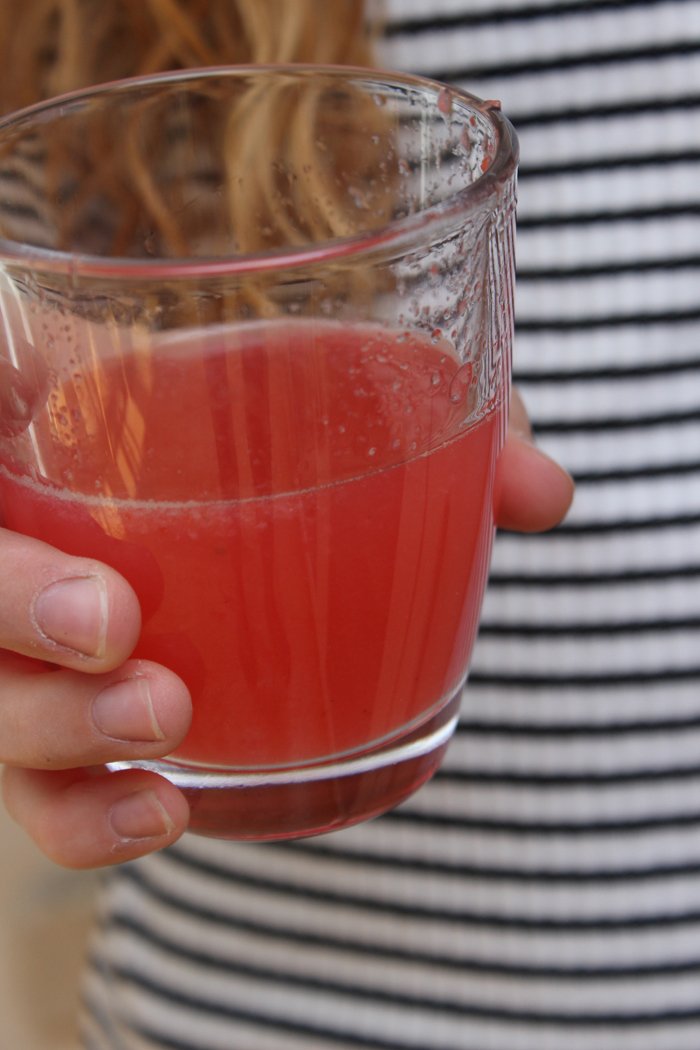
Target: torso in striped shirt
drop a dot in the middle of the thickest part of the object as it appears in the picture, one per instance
(544, 890)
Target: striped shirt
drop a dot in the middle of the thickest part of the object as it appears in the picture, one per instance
(543, 891)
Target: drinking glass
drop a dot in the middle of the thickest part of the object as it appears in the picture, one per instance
(255, 334)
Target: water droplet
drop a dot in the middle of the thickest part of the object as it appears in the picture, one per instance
(461, 382)
(372, 451)
(358, 197)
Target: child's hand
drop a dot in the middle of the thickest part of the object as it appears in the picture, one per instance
(71, 700)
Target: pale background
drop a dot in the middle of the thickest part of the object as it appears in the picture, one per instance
(44, 920)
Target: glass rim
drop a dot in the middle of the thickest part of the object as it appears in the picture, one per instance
(395, 237)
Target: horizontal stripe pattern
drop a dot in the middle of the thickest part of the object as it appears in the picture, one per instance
(543, 890)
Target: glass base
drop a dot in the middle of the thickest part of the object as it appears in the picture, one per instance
(302, 801)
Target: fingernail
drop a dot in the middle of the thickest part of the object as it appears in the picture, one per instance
(73, 614)
(124, 711)
(140, 816)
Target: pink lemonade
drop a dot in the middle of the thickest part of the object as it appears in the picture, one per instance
(306, 518)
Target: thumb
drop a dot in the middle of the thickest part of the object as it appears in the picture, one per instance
(532, 492)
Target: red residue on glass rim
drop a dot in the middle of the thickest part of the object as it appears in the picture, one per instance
(444, 102)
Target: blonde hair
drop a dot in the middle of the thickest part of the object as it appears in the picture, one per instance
(54, 46)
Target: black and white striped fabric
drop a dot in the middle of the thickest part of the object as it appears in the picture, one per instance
(543, 892)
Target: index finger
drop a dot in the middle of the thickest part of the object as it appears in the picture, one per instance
(75, 612)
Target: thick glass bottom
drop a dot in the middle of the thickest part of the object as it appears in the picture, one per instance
(310, 800)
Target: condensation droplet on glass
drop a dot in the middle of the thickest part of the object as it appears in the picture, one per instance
(357, 197)
(436, 335)
(461, 382)
(466, 139)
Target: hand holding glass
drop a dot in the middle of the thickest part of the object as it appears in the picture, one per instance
(255, 335)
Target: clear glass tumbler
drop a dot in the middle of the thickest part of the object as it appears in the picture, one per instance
(255, 333)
